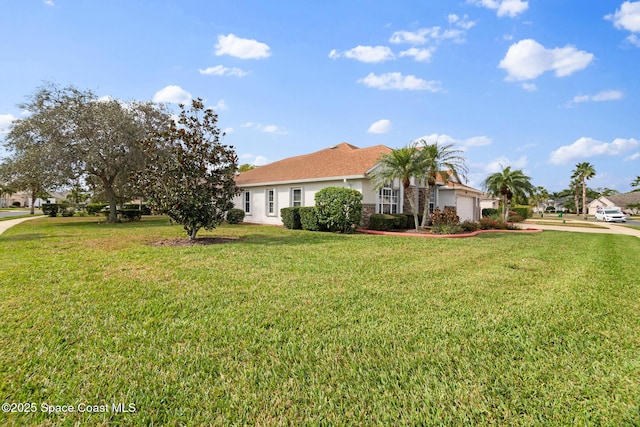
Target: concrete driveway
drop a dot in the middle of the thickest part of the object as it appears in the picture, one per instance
(608, 227)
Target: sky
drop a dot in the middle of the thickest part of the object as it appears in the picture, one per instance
(538, 85)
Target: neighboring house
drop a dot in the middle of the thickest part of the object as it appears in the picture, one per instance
(294, 181)
(620, 200)
(24, 198)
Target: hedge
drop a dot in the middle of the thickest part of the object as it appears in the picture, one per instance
(489, 212)
(309, 218)
(339, 209)
(291, 218)
(235, 216)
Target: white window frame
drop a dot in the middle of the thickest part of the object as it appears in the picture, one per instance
(293, 192)
(388, 197)
(246, 202)
(271, 202)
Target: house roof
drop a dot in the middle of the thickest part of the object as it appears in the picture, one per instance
(623, 200)
(339, 161)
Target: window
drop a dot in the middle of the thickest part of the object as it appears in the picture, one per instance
(388, 200)
(271, 201)
(432, 199)
(296, 197)
(246, 202)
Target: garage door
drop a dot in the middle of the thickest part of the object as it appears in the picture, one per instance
(465, 208)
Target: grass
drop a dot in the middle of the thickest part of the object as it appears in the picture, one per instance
(299, 328)
(564, 223)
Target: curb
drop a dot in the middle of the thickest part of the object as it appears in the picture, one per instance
(447, 236)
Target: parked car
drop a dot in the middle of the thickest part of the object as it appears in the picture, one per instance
(610, 214)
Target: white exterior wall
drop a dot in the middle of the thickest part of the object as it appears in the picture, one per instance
(466, 204)
(283, 198)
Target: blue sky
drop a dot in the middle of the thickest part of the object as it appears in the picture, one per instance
(538, 85)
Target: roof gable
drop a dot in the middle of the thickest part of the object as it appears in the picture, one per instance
(338, 161)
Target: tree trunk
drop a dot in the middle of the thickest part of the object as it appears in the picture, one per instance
(425, 212)
(411, 196)
(505, 208)
(33, 202)
(584, 199)
(113, 212)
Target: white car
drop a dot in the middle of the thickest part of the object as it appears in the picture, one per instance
(610, 214)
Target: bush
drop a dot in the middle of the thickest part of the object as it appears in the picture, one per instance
(339, 209)
(130, 215)
(492, 224)
(401, 221)
(235, 216)
(309, 219)
(515, 218)
(68, 212)
(469, 226)
(444, 228)
(489, 212)
(382, 222)
(291, 218)
(522, 211)
(144, 209)
(446, 217)
(50, 209)
(95, 208)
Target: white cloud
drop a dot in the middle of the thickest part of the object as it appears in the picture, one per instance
(633, 39)
(241, 48)
(423, 35)
(420, 55)
(221, 105)
(463, 144)
(273, 129)
(463, 22)
(227, 131)
(529, 87)
(370, 54)
(605, 95)
(634, 156)
(255, 160)
(172, 94)
(502, 162)
(5, 122)
(221, 70)
(503, 7)
(397, 81)
(381, 126)
(627, 17)
(589, 147)
(528, 59)
(49, 3)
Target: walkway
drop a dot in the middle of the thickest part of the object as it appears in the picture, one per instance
(5, 225)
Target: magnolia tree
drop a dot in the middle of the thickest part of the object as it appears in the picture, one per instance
(189, 174)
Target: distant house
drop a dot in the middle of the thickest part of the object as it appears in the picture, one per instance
(295, 180)
(620, 200)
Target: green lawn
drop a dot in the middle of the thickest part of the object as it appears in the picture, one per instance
(299, 328)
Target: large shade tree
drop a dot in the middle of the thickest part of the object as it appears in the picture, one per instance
(189, 174)
(583, 172)
(401, 164)
(87, 136)
(507, 185)
(441, 161)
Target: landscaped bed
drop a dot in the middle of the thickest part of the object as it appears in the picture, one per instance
(292, 327)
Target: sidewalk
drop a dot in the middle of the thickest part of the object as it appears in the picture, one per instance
(609, 228)
(5, 225)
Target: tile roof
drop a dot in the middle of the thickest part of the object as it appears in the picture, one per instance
(342, 160)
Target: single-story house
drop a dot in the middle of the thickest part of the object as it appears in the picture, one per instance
(295, 180)
(620, 200)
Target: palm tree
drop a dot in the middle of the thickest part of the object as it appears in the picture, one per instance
(575, 188)
(437, 160)
(507, 185)
(583, 172)
(401, 164)
(636, 182)
(539, 196)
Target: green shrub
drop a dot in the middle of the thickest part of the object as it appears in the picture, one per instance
(522, 211)
(68, 212)
(95, 208)
(309, 219)
(291, 218)
(339, 209)
(144, 209)
(444, 228)
(401, 221)
(130, 215)
(235, 216)
(489, 212)
(50, 209)
(382, 222)
(469, 226)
